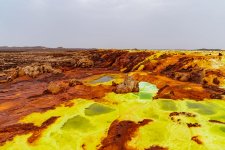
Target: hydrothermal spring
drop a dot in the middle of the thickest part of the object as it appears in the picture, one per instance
(172, 124)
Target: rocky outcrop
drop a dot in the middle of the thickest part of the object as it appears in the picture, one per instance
(56, 87)
(129, 85)
(32, 70)
(84, 62)
(126, 62)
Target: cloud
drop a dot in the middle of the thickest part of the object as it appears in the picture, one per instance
(37, 3)
(113, 23)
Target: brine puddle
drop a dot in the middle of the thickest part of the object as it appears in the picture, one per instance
(103, 79)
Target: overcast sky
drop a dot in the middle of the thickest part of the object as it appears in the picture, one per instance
(147, 24)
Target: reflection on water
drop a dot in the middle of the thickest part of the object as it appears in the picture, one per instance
(147, 90)
(204, 109)
(77, 122)
(168, 105)
(103, 79)
(97, 109)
